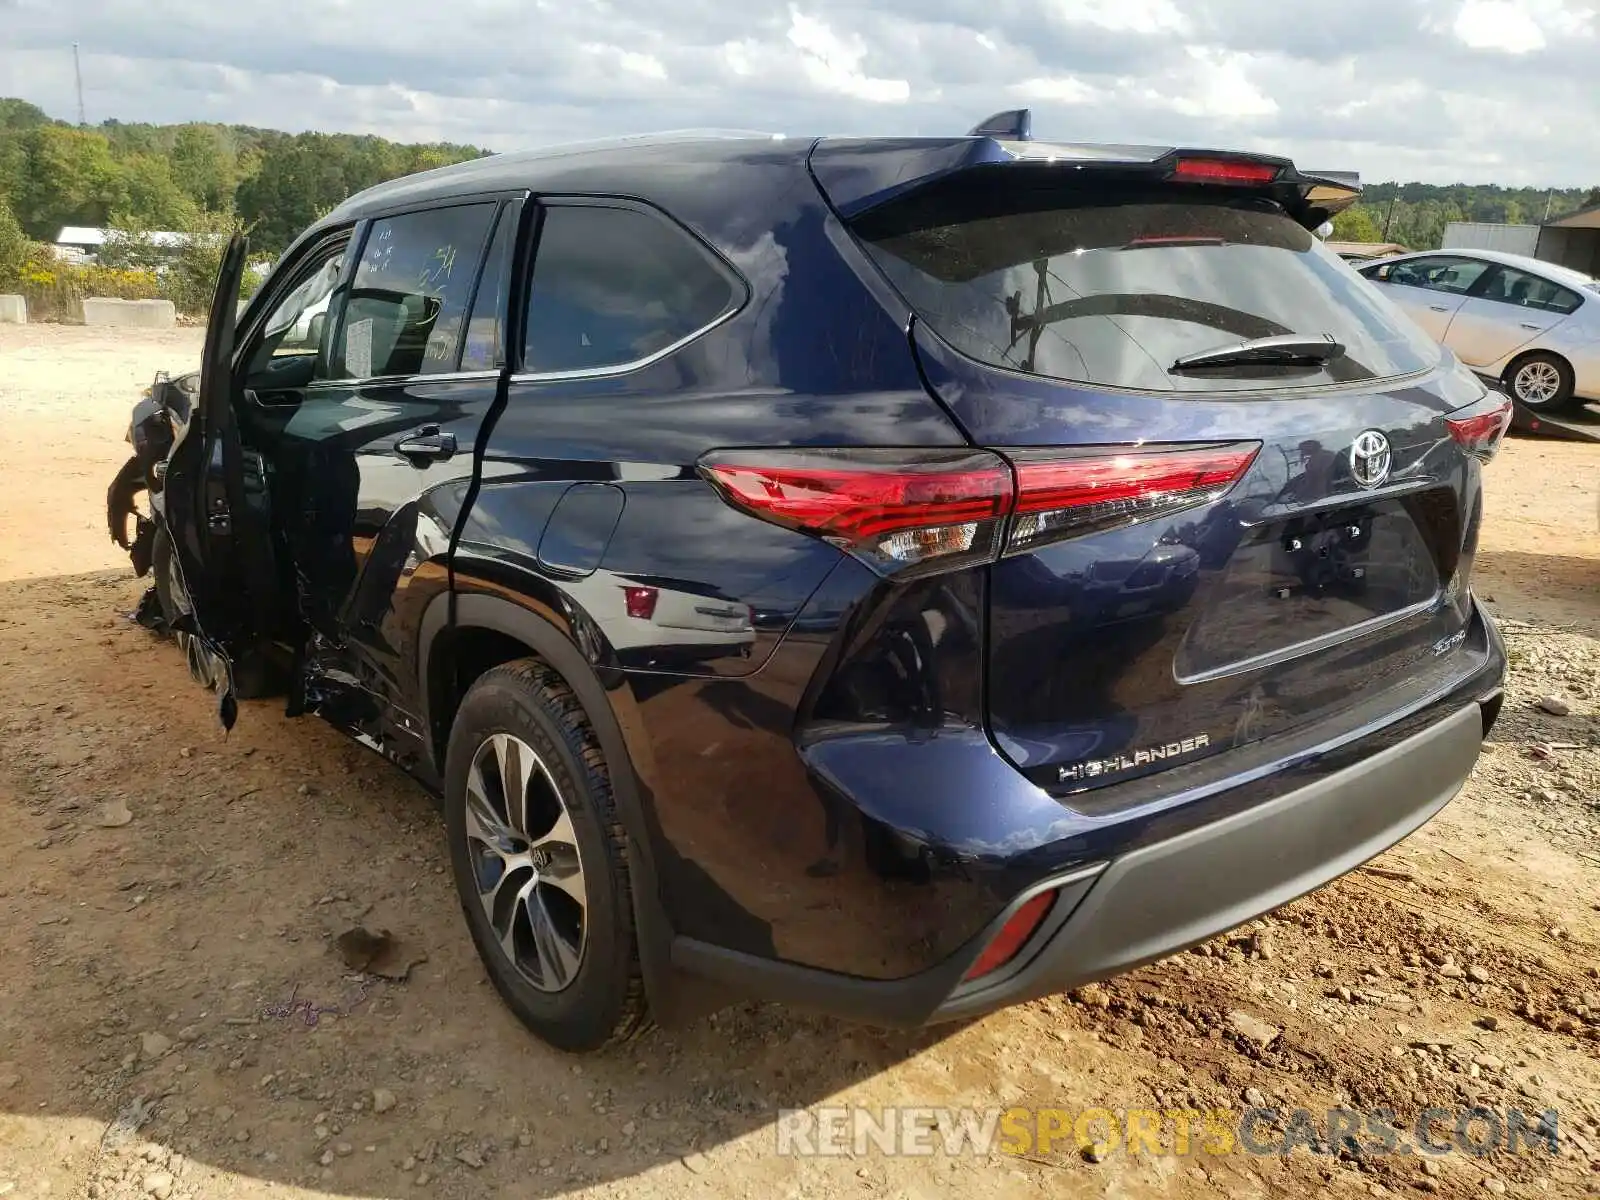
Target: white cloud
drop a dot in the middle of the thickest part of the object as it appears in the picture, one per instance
(1065, 89)
(1125, 16)
(834, 63)
(1221, 87)
(1498, 25)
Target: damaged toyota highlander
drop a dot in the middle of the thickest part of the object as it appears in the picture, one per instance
(898, 577)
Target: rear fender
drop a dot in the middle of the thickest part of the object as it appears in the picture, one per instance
(675, 997)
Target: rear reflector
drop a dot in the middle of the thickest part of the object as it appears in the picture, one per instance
(919, 510)
(1223, 170)
(1013, 935)
(1065, 495)
(641, 601)
(1479, 428)
(896, 509)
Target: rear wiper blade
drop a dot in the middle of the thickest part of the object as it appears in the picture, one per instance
(1282, 349)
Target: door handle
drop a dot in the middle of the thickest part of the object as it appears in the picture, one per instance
(1530, 325)
(426, 445)
(1440, 307)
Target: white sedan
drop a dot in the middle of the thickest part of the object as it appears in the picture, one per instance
(1533, 325)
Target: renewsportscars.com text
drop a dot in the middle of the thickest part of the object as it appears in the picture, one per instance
(842, 1130)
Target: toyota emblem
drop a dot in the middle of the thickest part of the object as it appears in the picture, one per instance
(1370, 458)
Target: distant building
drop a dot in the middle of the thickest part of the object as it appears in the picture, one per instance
(1573, 241)
(1570, 241)
(1356, 251)
(1487, 235)
(82, 243)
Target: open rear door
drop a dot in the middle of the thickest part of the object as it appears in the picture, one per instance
(204, 501)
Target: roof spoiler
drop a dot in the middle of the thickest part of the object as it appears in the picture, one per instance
(859, 175)
(1015, 124)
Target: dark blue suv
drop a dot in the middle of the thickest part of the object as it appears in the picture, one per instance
(902, 577)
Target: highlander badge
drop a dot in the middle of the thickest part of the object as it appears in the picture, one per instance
(1094, 767)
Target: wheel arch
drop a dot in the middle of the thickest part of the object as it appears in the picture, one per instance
(500, 630)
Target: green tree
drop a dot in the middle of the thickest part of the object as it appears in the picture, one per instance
(68, 178)
(1356, 224)
(151, 197)
(295, 179)
(19, 114)
(204, 166)
(13, 245)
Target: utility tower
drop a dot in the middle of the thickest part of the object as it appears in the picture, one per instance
(77, 71)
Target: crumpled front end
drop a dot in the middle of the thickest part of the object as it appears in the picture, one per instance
(133, 501)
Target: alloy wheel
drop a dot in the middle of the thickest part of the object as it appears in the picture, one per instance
(526, 868)
(1537, 382)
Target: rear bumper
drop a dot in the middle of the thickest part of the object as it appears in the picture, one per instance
(1149, 887)
(1173, 894)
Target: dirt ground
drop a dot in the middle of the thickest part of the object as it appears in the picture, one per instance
(154, 1039)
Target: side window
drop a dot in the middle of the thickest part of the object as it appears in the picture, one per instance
(485, 347)
(408, 298)
(298, 322)
(1511, 286)
(1454, 276)
(612, 286)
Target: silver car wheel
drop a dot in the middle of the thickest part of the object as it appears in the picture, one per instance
(525, 861)
(1536, 382)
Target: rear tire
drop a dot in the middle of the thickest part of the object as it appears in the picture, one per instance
(1541, 382)
(174, 601)
(584, 990)
(168, 586)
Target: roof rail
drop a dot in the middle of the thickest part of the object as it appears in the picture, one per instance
(1014, 125)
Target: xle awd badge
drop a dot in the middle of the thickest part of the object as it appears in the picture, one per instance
(1370, 458)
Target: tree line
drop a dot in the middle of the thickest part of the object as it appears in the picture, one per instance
(203, 180)
(141, 176)
(1415, 214)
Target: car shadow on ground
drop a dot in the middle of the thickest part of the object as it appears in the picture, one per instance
(170, 900)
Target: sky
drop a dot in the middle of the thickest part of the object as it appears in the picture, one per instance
(1479, 91)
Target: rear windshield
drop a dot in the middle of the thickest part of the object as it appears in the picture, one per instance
(1114, 291)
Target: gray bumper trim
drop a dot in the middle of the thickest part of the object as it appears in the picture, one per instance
(1160, 899)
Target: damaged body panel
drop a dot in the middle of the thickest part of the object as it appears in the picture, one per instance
(304, 489)
(861, 573)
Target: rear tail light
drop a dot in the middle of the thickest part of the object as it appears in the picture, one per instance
(1064, 495)
(641, 601)
(896, 509)
(1479, 428)
(1013, 935)
(901, 510)
(1223, 170)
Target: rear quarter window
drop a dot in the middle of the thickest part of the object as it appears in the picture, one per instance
(614, 287)
(1112, 289)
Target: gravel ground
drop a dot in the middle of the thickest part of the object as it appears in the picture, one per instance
(174, 1021)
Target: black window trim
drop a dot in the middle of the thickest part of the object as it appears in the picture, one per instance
(362, 228)
(285, 276)
(508, 215)
(739, 289)
(1498, 269)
